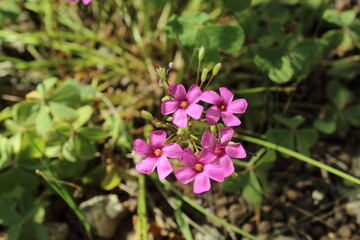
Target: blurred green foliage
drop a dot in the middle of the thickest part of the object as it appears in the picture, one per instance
(91, 71)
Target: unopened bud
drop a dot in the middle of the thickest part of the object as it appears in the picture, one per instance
(161, 72)
(204, 74)
(201, 53)
(146, 115)
(216, 69)
(160, 125)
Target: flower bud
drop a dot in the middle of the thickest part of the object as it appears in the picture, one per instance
(146, 115)
(160, 125)
(216, 69)
(161, 72)
(201, 53)
(204, 74)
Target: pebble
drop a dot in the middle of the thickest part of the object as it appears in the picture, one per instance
(344, 231)
(236, 211)
(293, 195)
(221, 212)
(317, 231)
(247, 227)
(264, 227)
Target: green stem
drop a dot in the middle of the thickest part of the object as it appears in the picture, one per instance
(203, 211)
(141, 211)
(301, 157)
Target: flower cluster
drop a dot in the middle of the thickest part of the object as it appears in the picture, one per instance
(86, 2)
(205, 158)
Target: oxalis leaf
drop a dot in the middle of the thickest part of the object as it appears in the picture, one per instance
(25, 113)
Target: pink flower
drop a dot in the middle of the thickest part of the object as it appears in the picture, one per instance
(224, 107)
(223, 150)
(156, 154)
(183, 104)
(86, 2)
(200, 169)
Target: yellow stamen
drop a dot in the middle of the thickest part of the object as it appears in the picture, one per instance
(199, 167)
(184, 104)
(158, 152)
(222, 108)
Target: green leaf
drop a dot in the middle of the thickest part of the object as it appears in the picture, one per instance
(352, 115)
(68, 150)
(32, 146)
(92, 133)
(252, 192)
(85, 150)
(69, 169)
(84, 113)
(5, 152)
(293, 122)
(67, 94)
(5, 113)
(331, 40)
(228, 38)
(43, 121)
(25, 113)
(306, 138)
(233, 184)
(182, 223)
(327, 124)
(282, 137)
(302, 56)
(112, 178)
(266, 161)
(274, 62)
(44, 87)
(355, 32)
(338, 94)
(62, 112)
(235, 5)
(340, 18)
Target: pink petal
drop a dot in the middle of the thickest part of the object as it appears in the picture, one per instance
(164, 167)
(211, 97)
(214, 172)
(236, 151)
(157, 138)
(206, 156)
(194, 110)
(229, 119)
(142, 148)
(169, 106)
(226, 165)
(226, 95)
(180, 118)
(225, 135)
(185, 175)
(208, 140)
(201, 183)
(86, 2)
(213, 115)
(147, 165)
(172, 150)
(194, 94)
(237, 106)
(177, 91)
(72, 0)
(188, 157)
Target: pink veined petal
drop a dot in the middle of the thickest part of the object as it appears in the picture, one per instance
(72, 0)
(201, 183)
(177, 91)
(214, 172)
(185, 175)
(213, 115)
(230, 120)
(236, 151)
(157, 138)
(226, 95)
(211, 97)
(169, 106)
(164, 167)
(180, 118)
(194, 94)
(172, 150)
(225, 135)
(147, 165)
(194, 110)
(188, 157)
(206, 156)
(226, 165)
(86, 2)
(142, 148)
(208, 140)
(237, 106)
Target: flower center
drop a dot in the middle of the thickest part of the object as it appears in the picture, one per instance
(199, 167)
(219, 151)
(158, 152)
(222, 107)
(184, 104)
